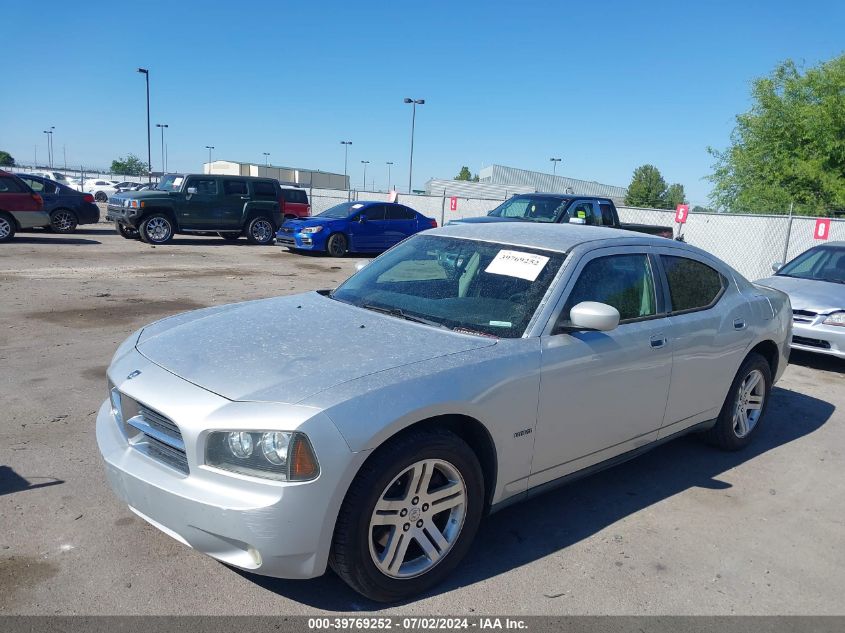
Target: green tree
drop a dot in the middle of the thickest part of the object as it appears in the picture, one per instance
(789, 147)
(465, 174)
(647, 188)
(130, 166)
(674, 196)
(6, 159)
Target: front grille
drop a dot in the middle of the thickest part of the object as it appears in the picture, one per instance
(810, 342)
(804, 316)
(154, 434)
(285, 240)
(287, 229)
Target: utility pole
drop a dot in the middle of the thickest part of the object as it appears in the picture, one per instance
(146, 73)
(346, 145)
(414, 103)
(163, 162)
(365, 163)
(209, 148)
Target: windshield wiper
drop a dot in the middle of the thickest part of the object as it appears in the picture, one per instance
(399, 312)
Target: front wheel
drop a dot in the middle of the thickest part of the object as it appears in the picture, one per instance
(126, 232)
(63, 221)
(156, 229)
(7, 227)
(337, 245)
(409, 516)
(260, 231)
(743, 410)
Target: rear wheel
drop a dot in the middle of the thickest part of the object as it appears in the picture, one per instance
(337, 245)
(101, 196)
(409, 516)
(743, 410)
(126, 232)
(156, 229)
(260, 230)
(63, 221)
(7, 227)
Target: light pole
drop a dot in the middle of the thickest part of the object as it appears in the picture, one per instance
(146, 73)
(389, 165)
(49, 134)
(555, 161)
(266, 159)
(414, 103)
(346, 145)
(209, 148)
(163, 162)
(365, 163)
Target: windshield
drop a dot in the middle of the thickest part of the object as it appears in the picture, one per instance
(171, 182)
(481, 287)
(343, 210)
(826, 263)
(531, 208)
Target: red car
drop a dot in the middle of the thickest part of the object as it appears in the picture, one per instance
(295, 203)
(20, 207)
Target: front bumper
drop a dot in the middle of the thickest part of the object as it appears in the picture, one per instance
(301, 241)
(280, 529)
(818, 338)
(123, 215)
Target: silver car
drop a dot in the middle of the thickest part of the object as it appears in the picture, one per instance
(372, 426)
(815, 283)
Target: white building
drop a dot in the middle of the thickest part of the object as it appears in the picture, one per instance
(548, 183)
(285, 175)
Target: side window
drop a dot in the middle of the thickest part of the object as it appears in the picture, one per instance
(10, 185)
(692, 285)
(35, 185)
(398, 212)
(622, 281)
(375, 212)
(583, 210)
(49, 187)
(264, 189)
(234, 188)
(606, 214)
(205, 186)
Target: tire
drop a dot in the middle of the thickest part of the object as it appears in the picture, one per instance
(745, 406)
(63, 221)
(337, 245)
(230, 237)
(101, 196)
(126, 232)
(156, 228)
(7, 227)
(260, 230)
(363, 538)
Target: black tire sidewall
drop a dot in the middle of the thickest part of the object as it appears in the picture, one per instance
(143, 230)
(342, 239)
(373, 479)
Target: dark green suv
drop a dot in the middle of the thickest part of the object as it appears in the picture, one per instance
(230, 206)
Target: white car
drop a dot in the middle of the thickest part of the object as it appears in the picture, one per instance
(101, 188)
(56, 177)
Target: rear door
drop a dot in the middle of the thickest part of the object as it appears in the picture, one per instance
(201, 210)
(48, 191)
(235, 197)
(400, 222)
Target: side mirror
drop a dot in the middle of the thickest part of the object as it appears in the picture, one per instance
(362, 218)
(192, 190)
(591, 315)
(361, 265)
(777, 266)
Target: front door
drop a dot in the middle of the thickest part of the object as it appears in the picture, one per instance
(199, 210)
(368, 235)
(603, 393)
(235, 198)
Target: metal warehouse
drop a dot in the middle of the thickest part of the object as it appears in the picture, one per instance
(287, 175)
(547, 183)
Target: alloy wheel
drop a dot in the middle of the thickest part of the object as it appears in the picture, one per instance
(158, 229)
(262, 231)
(63, 221)
(5, 228)
(417, 519)
(749, 403)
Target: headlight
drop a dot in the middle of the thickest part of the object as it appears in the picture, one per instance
(312, 229)
(116, 406)
(278, 455)
(837, 318)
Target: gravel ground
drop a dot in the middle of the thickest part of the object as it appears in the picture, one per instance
(683, 530)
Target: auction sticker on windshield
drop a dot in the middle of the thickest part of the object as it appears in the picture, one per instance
(516, 264)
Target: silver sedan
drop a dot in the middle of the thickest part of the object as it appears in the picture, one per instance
(815, 283)
(371, 427)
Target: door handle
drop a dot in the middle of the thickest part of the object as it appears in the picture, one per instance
(739, 324)
(244, 197)
(658, 341)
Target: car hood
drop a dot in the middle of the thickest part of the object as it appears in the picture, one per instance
(300, 224)
(809, 294)
(286, 349)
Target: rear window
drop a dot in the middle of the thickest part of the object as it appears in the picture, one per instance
(234, 187)
(10, 185)
(264, 188)
(692, 285)
(295, 195)
(398, 212)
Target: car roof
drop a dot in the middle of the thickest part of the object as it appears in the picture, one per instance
(551, 237)
(563, 196)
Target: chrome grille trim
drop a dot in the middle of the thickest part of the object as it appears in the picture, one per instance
(159, 422)
(804, 316)
(166, 454)
(153, 434)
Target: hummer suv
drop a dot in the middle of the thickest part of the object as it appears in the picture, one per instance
(230, 206)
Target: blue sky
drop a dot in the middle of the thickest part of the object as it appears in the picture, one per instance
(606, 86)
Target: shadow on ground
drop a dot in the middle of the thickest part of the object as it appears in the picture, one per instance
(553, 521)
(10, 482)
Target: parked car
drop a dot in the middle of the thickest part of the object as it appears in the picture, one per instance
(230, 206)
(126, 185)
(20, 207)
(467, 368)
(357, 227)
(100, 188)
(563, 209)
(67, 208)
(815, 283)
(295, 203)
(56, 177)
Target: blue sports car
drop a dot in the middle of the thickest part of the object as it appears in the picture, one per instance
(357, 227)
